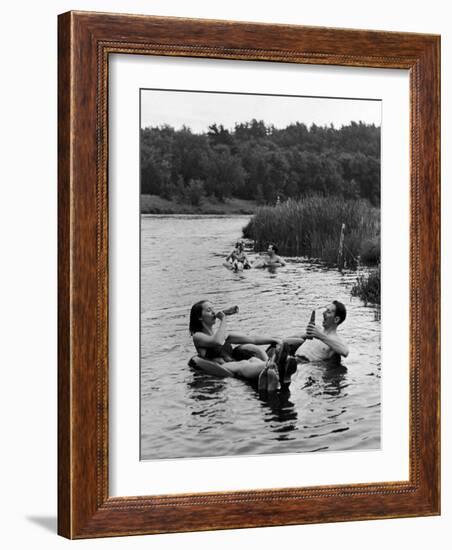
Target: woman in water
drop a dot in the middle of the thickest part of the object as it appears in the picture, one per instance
(237, 258)
(215, 344)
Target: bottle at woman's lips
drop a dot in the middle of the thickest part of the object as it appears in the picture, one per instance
(230, 310)
(311, 322)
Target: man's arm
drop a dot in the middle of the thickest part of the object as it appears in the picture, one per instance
(334, 342)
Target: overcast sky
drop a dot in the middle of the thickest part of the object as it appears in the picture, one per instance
(198, 110)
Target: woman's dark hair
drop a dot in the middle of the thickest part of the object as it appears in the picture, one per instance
(195, 314)
(274, 248)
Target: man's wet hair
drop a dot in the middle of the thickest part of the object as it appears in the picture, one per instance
(341, 312)
(274, 248)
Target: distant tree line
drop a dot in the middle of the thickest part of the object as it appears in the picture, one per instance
(260, 162)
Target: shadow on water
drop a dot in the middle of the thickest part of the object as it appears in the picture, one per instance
(324, 377)
(334, 379)
(205, 387)
(328, 379)
(283, 411)
(278, 410)
(208, 388)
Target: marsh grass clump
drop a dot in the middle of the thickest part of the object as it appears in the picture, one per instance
(367, 287)
(370, 251)
(311, 227)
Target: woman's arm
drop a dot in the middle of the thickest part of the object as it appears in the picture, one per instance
(218, 338)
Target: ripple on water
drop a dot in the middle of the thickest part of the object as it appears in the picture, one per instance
(188, 414)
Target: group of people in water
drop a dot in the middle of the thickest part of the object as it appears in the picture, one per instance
(239, 355)
(237, 259)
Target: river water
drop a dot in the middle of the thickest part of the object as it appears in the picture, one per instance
(185, 413)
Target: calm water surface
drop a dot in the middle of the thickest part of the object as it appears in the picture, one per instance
(185, 413)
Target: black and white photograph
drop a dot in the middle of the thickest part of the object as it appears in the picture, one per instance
(260, 274)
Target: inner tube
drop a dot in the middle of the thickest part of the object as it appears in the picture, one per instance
(238, 267)
(241, 352)
(211, 367)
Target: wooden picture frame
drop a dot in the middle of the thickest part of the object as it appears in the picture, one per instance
(85, 42)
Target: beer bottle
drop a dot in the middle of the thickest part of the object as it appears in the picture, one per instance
(311, 322)
(230, 310)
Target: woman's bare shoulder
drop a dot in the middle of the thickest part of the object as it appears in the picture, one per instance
(201, 338)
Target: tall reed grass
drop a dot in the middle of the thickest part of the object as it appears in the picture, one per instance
(368, 287)
(312, 227)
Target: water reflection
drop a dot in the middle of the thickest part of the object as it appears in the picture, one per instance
(280, 413)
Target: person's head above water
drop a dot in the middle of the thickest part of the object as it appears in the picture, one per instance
(334, 314)
(272, 249)
(202, 313)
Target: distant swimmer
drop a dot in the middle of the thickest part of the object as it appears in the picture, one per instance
(272, 259)
(322, 345)
(237, 260)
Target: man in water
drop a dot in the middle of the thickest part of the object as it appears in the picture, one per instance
(318, 345)
(272, 259)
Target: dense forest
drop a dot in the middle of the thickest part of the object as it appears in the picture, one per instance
(260, 162)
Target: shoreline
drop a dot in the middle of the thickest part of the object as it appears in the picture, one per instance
(154, 204)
